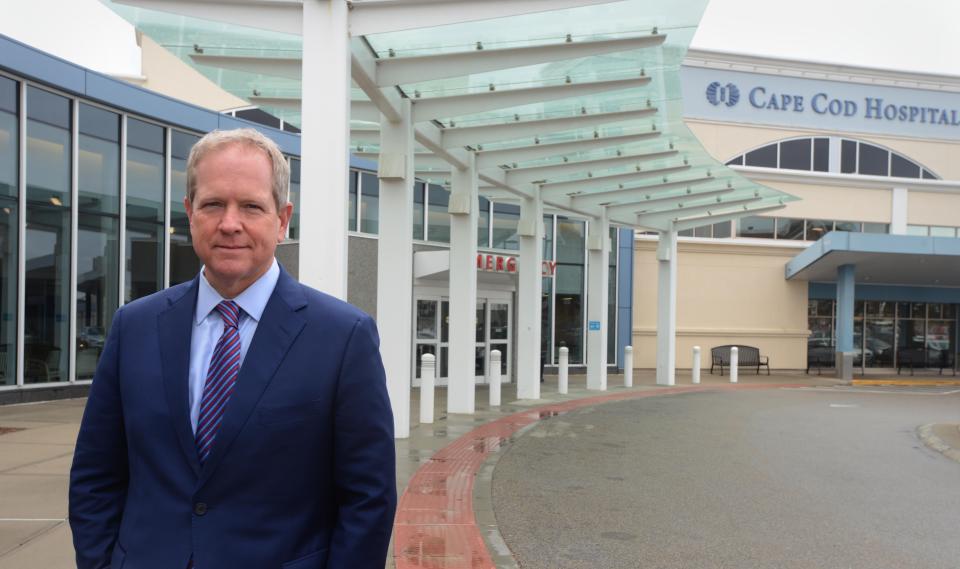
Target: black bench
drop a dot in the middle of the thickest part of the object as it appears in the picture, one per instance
(747, 356)
(918, 357)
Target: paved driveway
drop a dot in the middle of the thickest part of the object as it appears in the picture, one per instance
(812, 478)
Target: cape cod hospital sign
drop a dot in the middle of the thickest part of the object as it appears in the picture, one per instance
(814, 103)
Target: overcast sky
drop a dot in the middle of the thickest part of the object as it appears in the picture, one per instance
(910, 35)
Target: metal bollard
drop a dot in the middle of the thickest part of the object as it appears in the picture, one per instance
(628, 366)
(564, 363)
(428, 370)
(734, 363)
(696, 365)
(494, 378)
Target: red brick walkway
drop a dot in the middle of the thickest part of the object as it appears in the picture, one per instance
(435, 526)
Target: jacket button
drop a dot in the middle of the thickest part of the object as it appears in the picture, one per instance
(200, 508)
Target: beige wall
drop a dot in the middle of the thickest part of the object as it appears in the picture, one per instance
(167, 74)
(726, 294)
(928, 208)
(835, 202)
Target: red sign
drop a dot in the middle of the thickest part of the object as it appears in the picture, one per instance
(508, 264)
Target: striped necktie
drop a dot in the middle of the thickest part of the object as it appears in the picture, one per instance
(221, 378)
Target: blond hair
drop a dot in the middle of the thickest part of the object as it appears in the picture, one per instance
(249, 137)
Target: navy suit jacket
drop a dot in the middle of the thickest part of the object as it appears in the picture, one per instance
(302, 470)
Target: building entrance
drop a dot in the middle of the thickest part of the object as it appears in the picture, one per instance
(494, 331)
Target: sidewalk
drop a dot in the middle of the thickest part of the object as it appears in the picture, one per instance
(36, 447)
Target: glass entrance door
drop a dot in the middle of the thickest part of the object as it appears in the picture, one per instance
(493, 332)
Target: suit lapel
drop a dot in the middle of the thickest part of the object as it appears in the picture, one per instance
(279, 326)
(175, 327)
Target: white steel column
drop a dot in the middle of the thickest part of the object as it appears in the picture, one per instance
(899, 206)
(324, 147)
(667, 308)
(395, 262)
(463, 289)
(598, 277)
(530, 283)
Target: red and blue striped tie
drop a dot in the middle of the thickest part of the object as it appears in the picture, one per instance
(221, 378)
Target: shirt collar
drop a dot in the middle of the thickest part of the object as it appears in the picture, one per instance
(253, 300)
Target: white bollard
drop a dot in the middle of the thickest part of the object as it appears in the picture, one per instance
(628, 366)
(734, 363)
(564, 363)
(428, 371)
(494, 378)
(696, 365)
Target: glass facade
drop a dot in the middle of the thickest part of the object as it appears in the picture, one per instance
(97, 185)
(48, 243)
(888, 334)
(145, 209)
(98, 233)
(9, 224)
(184, 264)
(569, 299)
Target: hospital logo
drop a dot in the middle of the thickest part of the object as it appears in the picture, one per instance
(727, 94)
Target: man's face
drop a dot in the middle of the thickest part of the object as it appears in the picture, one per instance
(233, 218)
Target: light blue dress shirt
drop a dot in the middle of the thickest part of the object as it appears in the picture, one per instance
(208, 327)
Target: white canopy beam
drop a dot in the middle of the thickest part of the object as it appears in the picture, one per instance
(359, 110)
(672, 200)
(284, 67)
(284, 16)
(363, 70)
(474, 135)
(492, 158)
(379, 16)
(414, 69)
(587, 185)
(547, 172)
(680, 213)
(432, 108)
(635, 194)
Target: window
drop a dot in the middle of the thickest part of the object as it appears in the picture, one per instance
(369, 203)
(817, 228)
(98, 233)
(47, 292)
(483, 222)
(796, 154)
(765, 157)
(9, 223)
(569, 283)
(438, 215)
(145, 211)
(790, 228)
(184, 263)
(755, 226)
(294, 198)
(505, 220)
(813, 154)
(418, 210)
(921, 230)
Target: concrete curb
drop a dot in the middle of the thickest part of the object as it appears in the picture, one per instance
(929, 438)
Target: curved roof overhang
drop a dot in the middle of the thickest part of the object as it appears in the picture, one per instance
(580, 99)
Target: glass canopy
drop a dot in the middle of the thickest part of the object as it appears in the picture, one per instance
(668, 147)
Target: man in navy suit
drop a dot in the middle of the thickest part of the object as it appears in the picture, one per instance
(240, 420)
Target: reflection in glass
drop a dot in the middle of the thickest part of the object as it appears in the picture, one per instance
(418, 210)
(352, 202)
(817, 228)
(184, 264)
(426, 319)
(145, 181)
(789, 228)
(505, 220)
(47, 292)
(9, 221)
(98, 253)
(481, 321)
(879, 349)
(755, 226)
(499, 321)
(369, 203)
(480, 363)
(438, 216)
(294, 198)
(569, 282)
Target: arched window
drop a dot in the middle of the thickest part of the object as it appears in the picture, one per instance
(812, 154)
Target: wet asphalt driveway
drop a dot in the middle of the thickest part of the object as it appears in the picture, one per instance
(814, 478)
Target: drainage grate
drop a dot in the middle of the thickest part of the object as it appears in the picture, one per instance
(5, 430)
